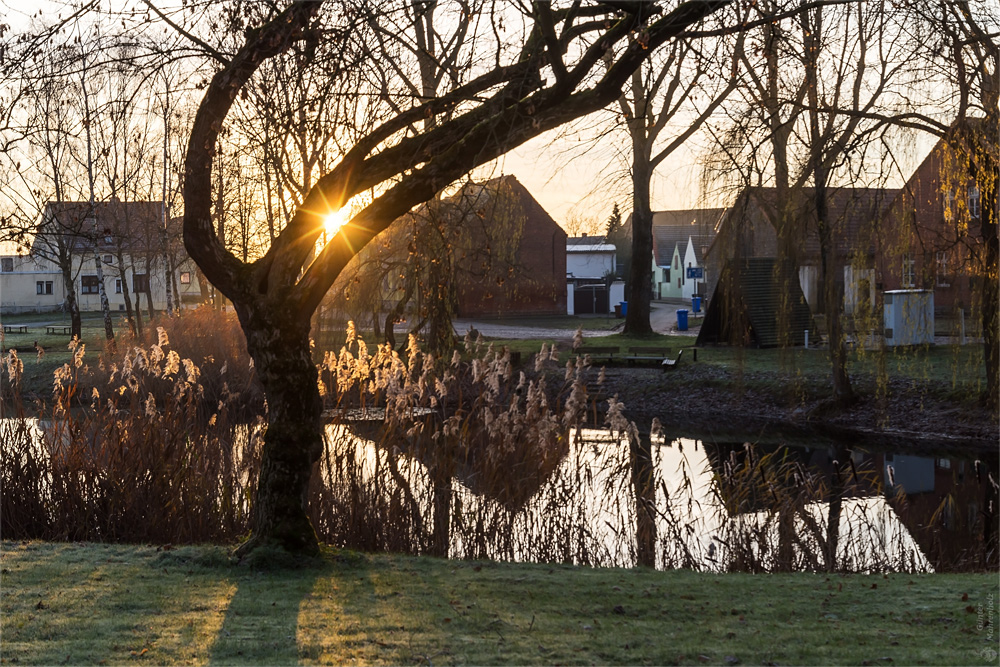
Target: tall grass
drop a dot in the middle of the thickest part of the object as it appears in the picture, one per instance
(464, 456)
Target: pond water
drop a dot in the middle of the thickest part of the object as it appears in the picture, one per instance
(898, 512)
(713, 506)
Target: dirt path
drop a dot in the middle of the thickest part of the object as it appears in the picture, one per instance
(663, 319)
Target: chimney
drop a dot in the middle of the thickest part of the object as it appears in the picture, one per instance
(585, 234)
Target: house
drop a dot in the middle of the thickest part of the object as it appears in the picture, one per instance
(125, 237)
(746, 306)
(487, 250)
(747, 230)
(525, 267)
(592, 282)
(930, 235)
(680, 241)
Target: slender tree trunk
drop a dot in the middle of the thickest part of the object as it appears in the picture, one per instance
(150, 311)
(278, 342)
(126, 294)
(72, 305)
(109, 331)
(641, 267)
(842, 391)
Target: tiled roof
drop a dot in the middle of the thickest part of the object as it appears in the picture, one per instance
(746, 305)
(852, 212)
(132, 222)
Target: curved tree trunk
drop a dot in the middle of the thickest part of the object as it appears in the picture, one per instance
(278, 342)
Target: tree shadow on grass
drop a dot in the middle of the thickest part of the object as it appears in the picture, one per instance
(261, 621)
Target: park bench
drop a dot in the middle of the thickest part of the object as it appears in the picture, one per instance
(654, 354)
(58, 329)
(15, 328)
(672, 363)
(605, 353)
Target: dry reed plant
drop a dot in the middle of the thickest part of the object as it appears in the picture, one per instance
(144, 459)
(464, 456)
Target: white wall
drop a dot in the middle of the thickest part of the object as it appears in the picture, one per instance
(593, 265)
(18, 293)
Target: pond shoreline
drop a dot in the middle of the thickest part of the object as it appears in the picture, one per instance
(696, 403)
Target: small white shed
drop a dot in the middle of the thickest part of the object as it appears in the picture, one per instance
(909, 317)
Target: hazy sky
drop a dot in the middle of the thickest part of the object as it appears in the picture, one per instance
(568, 181)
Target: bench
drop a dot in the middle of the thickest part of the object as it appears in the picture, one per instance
(595, 352)
(672, 363)
(15, 328)
(58, 329)
(657, 354)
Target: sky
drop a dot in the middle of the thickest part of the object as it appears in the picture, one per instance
(572, 184)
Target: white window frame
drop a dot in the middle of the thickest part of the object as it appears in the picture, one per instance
(908, 276)
(941, 260)
(973, 201)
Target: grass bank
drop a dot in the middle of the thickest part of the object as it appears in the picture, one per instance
(114, 604)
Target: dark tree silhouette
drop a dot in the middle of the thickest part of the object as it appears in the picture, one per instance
(570, 62)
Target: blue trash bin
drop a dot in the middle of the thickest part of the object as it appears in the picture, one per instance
(624, 305)
(696, 304)
(682, 319)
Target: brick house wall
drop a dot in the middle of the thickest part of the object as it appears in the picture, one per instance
(535, 281)
(930, 232)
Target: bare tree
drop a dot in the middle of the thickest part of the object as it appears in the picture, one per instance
(552, 77)
(661, 91)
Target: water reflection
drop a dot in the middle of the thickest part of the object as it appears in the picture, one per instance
(586, 511)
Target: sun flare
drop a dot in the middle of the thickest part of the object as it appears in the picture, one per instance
(334, 221)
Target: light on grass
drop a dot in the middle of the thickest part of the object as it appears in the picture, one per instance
(334, 221)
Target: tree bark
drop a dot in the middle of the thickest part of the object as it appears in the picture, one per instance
(278, 342)
(72, 305)
(109, 331)
(641, 266)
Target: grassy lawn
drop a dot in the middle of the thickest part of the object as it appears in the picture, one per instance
(113, 604)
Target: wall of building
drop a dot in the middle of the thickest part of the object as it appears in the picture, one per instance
(19, 292)
(592, 265)
(536, 283)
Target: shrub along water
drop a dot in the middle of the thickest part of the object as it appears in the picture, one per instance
(470, 456)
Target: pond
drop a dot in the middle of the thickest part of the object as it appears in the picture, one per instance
(717, 506)
(749, 504)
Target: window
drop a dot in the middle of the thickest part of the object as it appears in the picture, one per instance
(140, 283)
(108, 259)
(676, 262)
(909, 271)
(941, 258)
(185, 277)
(666, 276)
(43, 287)
(973, 201)
(7, 264)
(89, 285)
(118, 285)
